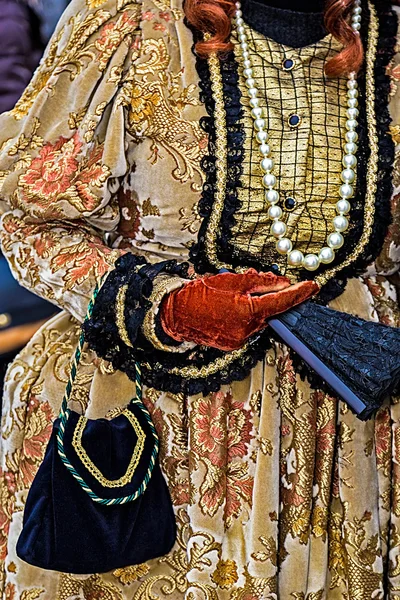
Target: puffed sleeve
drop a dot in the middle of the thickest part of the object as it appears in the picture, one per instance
(64, 153)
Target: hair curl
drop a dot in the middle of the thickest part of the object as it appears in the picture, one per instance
(215, 18)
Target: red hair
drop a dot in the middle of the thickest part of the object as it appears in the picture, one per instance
(215, 17)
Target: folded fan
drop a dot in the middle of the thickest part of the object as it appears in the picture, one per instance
(360, 355)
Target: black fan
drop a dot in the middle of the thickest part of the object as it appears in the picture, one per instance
(358, 359)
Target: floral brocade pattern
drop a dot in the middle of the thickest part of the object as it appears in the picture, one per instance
(279, 491)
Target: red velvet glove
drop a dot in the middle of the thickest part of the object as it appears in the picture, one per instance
(223, 311)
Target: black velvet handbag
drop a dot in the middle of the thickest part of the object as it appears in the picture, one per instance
(99, 500)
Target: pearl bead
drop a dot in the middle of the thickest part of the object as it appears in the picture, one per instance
(346, 191)
(256, 113)
(340, 223)
(272, 196)
(284, 245)
(244, 46)
(356, 18)
(246, 62)
(265, 149)
(351, 136)
(275, 212)
(352, 113)
(261, 137)
(239, 13)
(239, 21)
(352, 102)
(351, 124)
(253, 92)
(259, 124)
(349, 161)
(240, 31)
(269, 180)
(335, 240)
(352, 84)
(250, 82)
(350, 148)
(356, 26)
(245, 54)
(357, 10)
(311, 262)
(295, 258)
(278, 228)
(343, 206)
(348, 176)
(248, 73)
(267, 164)
(254, 102)
(352, 93)
(326, 255)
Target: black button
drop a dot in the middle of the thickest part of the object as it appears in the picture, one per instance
(290, 203)
(294, 120)
(288, 64)
(275, 268)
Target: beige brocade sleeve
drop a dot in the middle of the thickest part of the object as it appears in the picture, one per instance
(63, 155)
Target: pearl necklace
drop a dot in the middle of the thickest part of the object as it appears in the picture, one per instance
(335, 240)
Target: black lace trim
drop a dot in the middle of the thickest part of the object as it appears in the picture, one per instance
(226, 252)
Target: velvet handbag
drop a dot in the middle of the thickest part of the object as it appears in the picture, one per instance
(99, 500)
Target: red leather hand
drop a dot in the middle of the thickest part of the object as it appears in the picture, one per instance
(223, 311)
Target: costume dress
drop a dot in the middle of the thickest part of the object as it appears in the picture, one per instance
(279, 490)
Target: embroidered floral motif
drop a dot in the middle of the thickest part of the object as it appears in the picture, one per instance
(56, 175)
(130, 574)
(111, 36)
(222, 431)
(225, 574)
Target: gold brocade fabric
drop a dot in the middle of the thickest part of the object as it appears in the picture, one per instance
(308, 158)
(279, 492)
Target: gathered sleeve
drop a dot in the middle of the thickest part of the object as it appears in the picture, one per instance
(64, 154)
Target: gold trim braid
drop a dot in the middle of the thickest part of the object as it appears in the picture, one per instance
(91, 467)
(120, 315)
(201, 372)
(163, 285)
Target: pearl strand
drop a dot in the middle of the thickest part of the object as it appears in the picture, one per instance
(340, 223)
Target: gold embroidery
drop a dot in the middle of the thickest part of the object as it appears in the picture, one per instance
(91, 467)
(225, 574)
(156, 101)
(128, 575)
(395, 133)
(149, 209)
(120, 315)
(201, 372)
(92, 587)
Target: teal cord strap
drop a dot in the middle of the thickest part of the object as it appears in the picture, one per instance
(65, 413)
